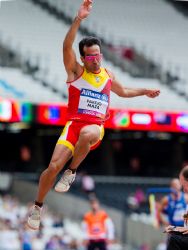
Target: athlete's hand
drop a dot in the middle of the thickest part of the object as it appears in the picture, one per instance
(183, 230)
(85, 9)
(169, 229)
(152, 93)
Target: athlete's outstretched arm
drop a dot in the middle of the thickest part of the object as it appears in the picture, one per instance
(69, 56)
(122, 91)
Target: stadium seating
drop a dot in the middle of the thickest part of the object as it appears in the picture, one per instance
(15, 235)
(39, 40)
(154, 28)
(16, 85)
(122, 192)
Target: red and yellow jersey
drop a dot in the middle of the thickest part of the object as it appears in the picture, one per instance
(89, 97)
(96, 225)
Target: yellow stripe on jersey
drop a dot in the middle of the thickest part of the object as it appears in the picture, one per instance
(96, 80)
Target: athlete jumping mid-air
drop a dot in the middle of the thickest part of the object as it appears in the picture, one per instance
(89, 87)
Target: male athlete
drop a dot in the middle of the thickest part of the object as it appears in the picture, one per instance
(173, 205)
(89, 88)
(178, 236)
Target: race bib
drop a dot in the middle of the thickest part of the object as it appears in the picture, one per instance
(93, 103)
(178, 215)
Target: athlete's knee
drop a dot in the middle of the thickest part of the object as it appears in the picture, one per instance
(89, 136)
(54, 168)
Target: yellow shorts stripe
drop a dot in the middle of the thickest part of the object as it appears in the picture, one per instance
(101, 129)
(67, 144)
(65, 130)
(101, 132)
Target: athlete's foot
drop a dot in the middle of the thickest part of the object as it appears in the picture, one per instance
(34, 217)
(65, 182)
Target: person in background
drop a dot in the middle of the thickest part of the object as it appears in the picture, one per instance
(88, 184)
(178, 236)
(98, 227)
(134, 168)
(173, 205)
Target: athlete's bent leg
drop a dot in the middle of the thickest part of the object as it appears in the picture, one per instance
(89, 135)
(59, 158)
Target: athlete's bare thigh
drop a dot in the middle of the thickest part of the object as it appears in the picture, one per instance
(93, 131)
(61, 155)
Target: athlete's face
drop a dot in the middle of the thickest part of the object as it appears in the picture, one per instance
(175, 184)
(95, 206)
(92, 58)
(184, 183)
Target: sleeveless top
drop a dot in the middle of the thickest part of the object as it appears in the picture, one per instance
(96, 228)
(175, 210)
(89, 97)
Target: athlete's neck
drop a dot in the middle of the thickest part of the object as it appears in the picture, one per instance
(94, 72)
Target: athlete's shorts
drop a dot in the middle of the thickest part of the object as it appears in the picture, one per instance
(71, 132)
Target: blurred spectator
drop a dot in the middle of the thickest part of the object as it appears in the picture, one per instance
(55, 243)
(136, 199)
(25, 154)
(73, 245)
(134, 167)
(57, 221)
(88, 183)
(140, 196)
(173, 205)
(5, 182)
(98, 228)
(128, 53)
(55, 234)
(15, 235)
(177, 236)
(26, 239)
(25, 161)
(38, 242)
(9, 239)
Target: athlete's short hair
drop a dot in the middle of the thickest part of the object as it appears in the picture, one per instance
(88, 42)
(184, 173)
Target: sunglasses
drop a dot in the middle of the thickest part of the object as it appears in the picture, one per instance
(91, 58)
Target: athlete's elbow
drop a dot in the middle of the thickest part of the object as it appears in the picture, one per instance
(123, 94)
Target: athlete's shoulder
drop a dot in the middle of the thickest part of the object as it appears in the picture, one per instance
(109, 73)
(104, 213)
(88, 215)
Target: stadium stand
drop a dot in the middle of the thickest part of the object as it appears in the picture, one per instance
(141, 27)
(128, 194)
(16, 85)
(44, 42)
(56, 232)
(140, 24)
